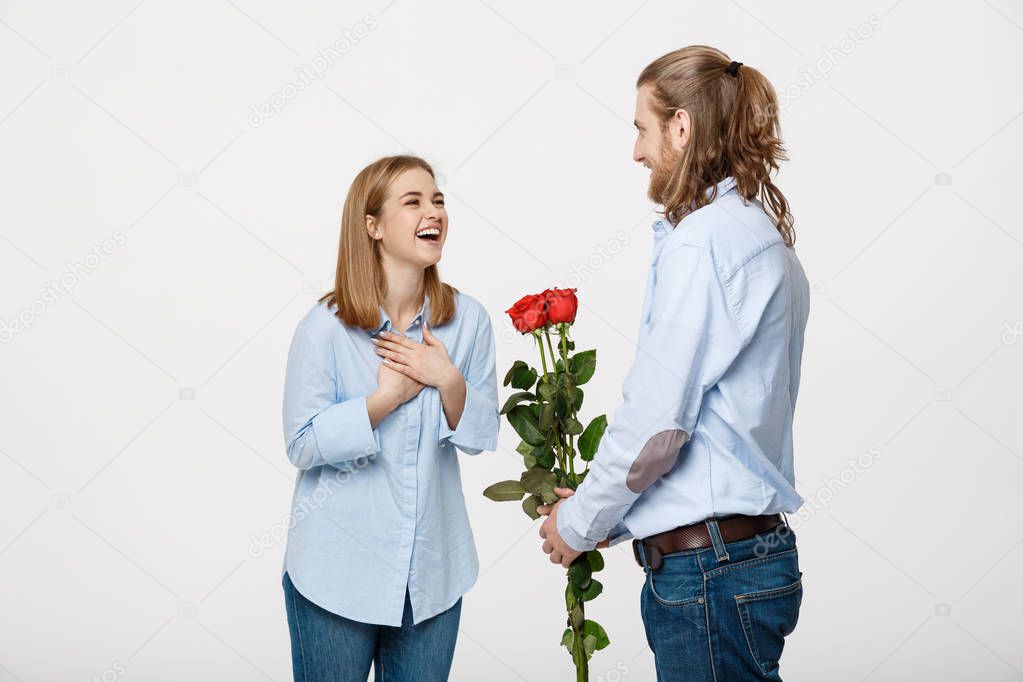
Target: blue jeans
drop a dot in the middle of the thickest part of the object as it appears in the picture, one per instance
(722, 613)
(326, 647)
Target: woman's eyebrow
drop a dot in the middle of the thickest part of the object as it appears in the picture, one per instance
(419, 194)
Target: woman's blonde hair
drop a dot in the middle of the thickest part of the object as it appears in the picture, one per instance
(735, 131)
(360, 282)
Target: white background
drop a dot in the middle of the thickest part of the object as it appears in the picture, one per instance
(141, 446)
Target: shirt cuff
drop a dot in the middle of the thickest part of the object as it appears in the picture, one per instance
(619, 533)
(343, 432)
(570, 535)
(472, 435)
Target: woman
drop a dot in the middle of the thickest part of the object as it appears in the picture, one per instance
(387, 375)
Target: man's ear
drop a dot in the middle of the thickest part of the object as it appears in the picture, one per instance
(680, 130)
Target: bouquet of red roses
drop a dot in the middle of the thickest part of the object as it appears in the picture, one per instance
(544, 413)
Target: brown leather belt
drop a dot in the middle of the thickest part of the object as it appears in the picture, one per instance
(696, 536)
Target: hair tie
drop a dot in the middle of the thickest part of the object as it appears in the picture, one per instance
(733, 69)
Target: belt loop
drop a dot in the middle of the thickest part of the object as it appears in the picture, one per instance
(716, 540)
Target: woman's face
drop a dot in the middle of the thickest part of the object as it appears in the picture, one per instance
(413, 222)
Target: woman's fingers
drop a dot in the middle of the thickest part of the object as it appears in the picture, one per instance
(397, 339)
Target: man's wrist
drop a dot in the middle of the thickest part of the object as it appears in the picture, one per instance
(568, 535)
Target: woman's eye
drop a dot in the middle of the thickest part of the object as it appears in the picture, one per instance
(414, 202)
(439, 202)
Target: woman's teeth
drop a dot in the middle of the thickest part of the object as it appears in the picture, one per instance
(431, 233)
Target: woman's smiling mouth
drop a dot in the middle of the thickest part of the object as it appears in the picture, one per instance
(431, 234)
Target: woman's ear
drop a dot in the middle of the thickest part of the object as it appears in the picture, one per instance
(371, 227)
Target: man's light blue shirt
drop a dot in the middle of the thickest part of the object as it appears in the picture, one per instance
(376, 509)
(705, 426)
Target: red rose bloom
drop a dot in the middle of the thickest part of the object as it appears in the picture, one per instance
(561, 305)
(529, 313)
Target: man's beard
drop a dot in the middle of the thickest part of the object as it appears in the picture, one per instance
(661, 174)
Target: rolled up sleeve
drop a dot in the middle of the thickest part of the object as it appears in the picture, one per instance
(319, 429)
(694, 336)
(478, 426)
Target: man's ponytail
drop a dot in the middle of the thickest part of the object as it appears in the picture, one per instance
(735, 131)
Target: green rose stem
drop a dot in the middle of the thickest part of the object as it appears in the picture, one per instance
(582, 671)
(543, 360)
(563, 333)
(567, 454)
(567, 458)
(582, 637)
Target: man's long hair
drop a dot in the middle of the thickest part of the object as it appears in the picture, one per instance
(735, 132)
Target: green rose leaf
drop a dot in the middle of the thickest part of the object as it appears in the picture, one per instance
(516, 398)
(547, 417)
(541, 482)
(505, 491)
(520, 376)
(583, 365)
(589, 644)
(544, 459)
(568, 638)
(594, 589)
(529, 505)
(577, 398)
(525, 424)
(579, 574)
(547, 391)
(592, 627)
(573, 427)
(596, 560)
(590, 439)
(575, 616)
(561, 405)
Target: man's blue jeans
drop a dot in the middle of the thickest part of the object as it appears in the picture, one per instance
(326, 647)
(721, 614)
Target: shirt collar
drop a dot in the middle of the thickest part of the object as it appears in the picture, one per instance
(662, 226)
(385, 320)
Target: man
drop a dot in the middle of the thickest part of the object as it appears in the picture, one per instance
(696, 464)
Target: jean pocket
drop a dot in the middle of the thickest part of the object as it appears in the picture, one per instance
(674, 588)
(767, 617)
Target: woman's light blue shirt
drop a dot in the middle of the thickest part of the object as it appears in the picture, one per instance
(376, 509)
